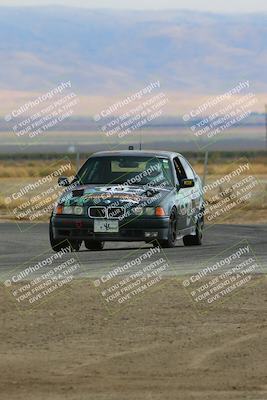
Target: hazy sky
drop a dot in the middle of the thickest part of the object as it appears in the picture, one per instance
(204, 5)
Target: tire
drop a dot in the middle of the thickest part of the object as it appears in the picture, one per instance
(96, 245)
(75, 245)
(172, 234)
(195, 240)
(58, 245)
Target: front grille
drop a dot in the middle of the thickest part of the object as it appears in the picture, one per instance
(106, 212)
(116, 212)
(97, 212)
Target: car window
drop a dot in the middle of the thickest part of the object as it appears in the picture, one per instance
(130, 170)
(180, 172)
(190, 174)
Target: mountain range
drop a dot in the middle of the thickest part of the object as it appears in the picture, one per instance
(105, 52)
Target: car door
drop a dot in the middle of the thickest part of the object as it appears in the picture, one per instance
(182, 196)
(187, 198)
(194, 194)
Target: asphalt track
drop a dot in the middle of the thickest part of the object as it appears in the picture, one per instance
(23, 242)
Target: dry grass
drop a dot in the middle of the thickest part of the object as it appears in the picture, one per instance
(259, 168)
(28, 169)
(36, 168)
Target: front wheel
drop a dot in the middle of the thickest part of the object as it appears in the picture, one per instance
(58, 244)
(195, 240)
(172, 233)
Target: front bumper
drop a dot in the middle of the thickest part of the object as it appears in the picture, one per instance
(75, 228)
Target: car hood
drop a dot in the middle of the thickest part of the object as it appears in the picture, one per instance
(105, 195)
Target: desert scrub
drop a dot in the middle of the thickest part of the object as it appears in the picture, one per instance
(28, 169)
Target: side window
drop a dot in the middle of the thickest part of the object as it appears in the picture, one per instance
(180, 172)
(167, 171)
(188, 170)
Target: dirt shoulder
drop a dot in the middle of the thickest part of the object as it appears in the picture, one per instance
(246, 217)
(159, 347)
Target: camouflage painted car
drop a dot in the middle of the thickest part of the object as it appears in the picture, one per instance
(129, 196)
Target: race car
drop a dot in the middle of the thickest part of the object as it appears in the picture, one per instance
(150, 196)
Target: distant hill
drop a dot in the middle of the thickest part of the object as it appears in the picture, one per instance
(103, 51)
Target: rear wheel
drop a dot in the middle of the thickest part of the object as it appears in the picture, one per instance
(172, 234)
(96, 245)
(195, 240)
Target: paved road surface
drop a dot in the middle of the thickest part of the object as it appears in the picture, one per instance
(20, 243)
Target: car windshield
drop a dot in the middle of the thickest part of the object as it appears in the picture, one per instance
(126, 170)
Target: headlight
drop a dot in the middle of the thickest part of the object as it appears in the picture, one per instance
(67, 210)
(150, 211)
(157, 211)
(78, 210)
(137, 210)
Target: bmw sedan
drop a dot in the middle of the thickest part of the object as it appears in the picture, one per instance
(150, 196)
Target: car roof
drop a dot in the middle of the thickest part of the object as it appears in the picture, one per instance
(136, 153)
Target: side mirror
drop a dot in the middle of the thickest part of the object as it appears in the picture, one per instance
(187, 183)
(63, 181)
